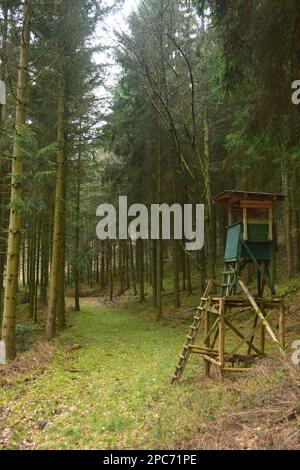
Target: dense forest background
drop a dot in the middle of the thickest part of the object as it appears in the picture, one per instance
(202, 104)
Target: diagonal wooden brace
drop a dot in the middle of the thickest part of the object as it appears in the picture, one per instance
(259, 313)
(247, 337)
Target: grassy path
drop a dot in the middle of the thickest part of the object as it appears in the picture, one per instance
(114, 392)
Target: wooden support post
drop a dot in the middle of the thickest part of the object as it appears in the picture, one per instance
(230, 215)
(207, 342)
(281, 324)
(245, 222)
(252, 337)
(258, 278)
(222, 335)
(262, 332)
(270, 224)
(257, 265)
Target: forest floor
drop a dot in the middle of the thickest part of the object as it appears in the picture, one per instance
(105, 384)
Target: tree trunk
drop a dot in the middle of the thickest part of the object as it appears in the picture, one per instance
(154, 272)
(37, 273)
(175, 243)
(158, 251)
(288, 225)
(132, 268)
(110, 274)
(102, 264)
(32, 271)
(60, 304)
(45, 252)
(126, 264)
(55, 287)
(77, 232)
(208, 206)
(121, 266)
(4, 188)
(188, 276)
(141, 269)
(14, 235)
(297, 223)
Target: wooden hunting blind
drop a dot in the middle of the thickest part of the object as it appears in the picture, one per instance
(250, 239)
(250, 236)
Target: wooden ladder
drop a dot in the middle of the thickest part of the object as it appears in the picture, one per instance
(191, 337)
(229, 280)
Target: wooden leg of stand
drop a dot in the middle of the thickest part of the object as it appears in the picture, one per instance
(252, 337)
(281, 324)
(262, 334)
(222, 335)
(207, 343)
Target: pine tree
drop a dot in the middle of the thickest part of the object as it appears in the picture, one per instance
(14, 236)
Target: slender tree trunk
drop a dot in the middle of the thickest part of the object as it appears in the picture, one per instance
(288, 225)
(202, 269)
(208, 206)
(175, 242)
(188, 276)
(223, 224)
(102, 264)
(24, 261)
(114, 262)
(60, 303)
(121, 266)
(137, 261)
(45, 252)
(126, 263)
(4, 188)
(183, 268)
(141, 269)
(297, 220)
(147, 261)
(38, 252)
(97, 277)
(32, 279)
(158, 251)
(297, 223)
(110, 269)
(14, 235)
(132, 268)
(55, 287)
(77, 232)
(154, 272)
(28, 265)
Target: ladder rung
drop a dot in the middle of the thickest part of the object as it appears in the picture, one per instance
(187, 348)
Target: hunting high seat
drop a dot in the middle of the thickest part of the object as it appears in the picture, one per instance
(250, 239)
